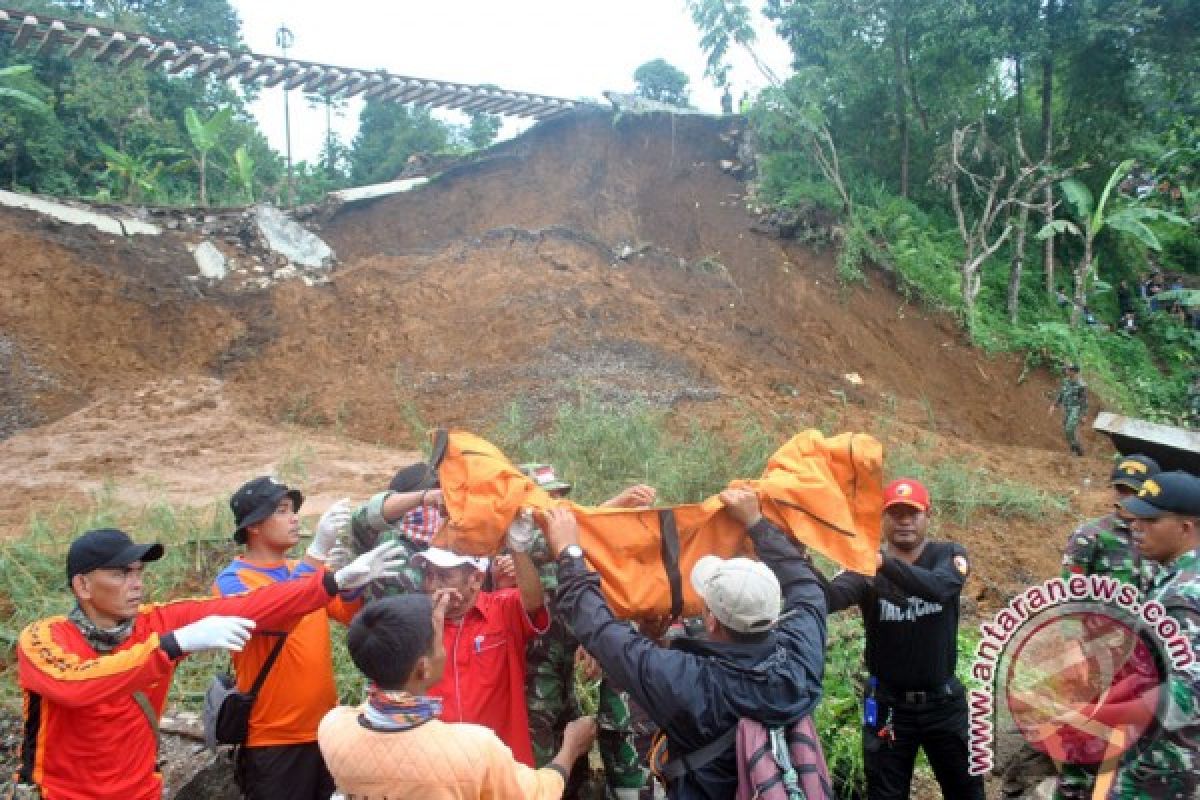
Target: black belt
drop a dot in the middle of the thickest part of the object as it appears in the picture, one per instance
(918, 697)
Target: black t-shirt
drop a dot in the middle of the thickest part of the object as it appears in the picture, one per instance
(911, 615)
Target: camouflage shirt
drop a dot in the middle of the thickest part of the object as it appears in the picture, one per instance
(368, 529)
(1167, 766)
(1072, 395)
(1105, 546)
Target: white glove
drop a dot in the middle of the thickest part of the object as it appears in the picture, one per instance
(335, 518)
(214, 633)
(520, 534)
(338, 557)
(384, 561)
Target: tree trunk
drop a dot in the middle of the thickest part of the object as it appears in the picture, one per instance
(1081, 273)
(1017, 266)
(203, 182)
(901, 97)
(1048, 152)
(1019, 77)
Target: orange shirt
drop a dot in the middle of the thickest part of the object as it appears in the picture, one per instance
(85, 736)
(300, 687)
(434, 761)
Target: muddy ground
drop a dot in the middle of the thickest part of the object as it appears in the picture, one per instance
(611, 254)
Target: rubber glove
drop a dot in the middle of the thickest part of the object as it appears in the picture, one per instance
(335, 518)
(214, 633)
(384, 561)
(520, 534)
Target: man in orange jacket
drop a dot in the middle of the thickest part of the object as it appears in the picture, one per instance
(281, 758)
(95, 680)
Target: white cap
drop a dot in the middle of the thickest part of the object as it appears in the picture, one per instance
(448, 560)
(744, 595)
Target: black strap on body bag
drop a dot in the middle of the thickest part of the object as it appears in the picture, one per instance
(226, 710)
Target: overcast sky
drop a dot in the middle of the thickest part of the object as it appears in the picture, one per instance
(566, 48)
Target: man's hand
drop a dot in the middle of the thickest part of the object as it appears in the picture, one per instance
(742, 505)
(332, 522)
(578, 737)
(636, 496)
(214, 633)
(561, 529)
(385, 561)
(441, 599)
(587, 665)
(520, 534)
(655, 628)
(504, 572)
(432, 498)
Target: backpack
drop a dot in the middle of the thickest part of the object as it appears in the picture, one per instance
(776, 763)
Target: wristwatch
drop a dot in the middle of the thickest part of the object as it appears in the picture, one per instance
(571, 551)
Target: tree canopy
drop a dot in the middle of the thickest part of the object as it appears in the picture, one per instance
(658, 80)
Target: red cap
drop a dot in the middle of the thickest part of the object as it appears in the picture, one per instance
(907, 491)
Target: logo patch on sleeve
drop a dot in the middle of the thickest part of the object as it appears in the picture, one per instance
(960, 564)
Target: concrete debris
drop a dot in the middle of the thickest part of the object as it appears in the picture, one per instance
(376, 190)
(75, 215)
(210, 260)
(288, 238)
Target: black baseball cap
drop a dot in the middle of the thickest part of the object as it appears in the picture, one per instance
(257, 500)
(1166, 493)
(1132, 470)
(107, 547)
(414, 478)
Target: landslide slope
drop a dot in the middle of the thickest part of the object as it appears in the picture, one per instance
(608, 254)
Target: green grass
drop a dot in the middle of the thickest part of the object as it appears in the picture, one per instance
(963, 490)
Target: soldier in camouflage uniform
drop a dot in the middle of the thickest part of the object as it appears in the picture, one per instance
(408, 513)
(1072, 396)
(550, 676)
(1105, 546)
(1166, 527)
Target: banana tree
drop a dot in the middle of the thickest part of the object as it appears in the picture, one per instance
(1093, 217)
(204, 136)
(18, 96)
(136, 174)
(243, 172)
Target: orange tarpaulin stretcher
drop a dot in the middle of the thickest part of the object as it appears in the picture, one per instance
(825, 492)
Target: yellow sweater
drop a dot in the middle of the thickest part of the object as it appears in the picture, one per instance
(436, 761)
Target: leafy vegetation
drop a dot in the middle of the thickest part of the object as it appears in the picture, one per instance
(96, 130)
(930, 148)
(658, 80)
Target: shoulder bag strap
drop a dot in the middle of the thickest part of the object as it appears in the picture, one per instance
(676, 768)
(270, 662)
(147, 708)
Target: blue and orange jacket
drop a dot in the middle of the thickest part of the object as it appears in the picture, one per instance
(85, 736)
(299, 689)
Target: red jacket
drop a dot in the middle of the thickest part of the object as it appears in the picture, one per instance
(86, 737)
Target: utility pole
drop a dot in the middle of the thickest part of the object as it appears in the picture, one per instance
(284, 39)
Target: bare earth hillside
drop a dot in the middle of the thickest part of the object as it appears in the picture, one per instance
(610, 254)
